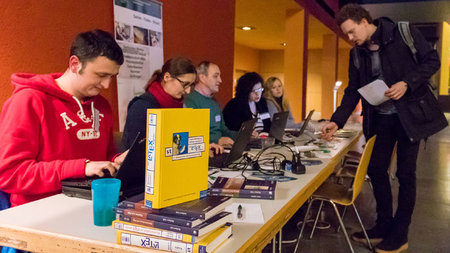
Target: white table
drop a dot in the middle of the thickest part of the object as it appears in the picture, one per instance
(63, 224)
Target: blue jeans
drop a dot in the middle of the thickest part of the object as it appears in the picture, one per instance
(4, 201)
(5, 204)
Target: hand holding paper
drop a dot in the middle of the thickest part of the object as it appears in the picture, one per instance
(397, 90)
(374, 92)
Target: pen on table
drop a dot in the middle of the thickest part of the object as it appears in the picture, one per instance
(239, 213)
(210, 175)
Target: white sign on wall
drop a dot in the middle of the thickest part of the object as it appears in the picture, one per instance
(138, 31)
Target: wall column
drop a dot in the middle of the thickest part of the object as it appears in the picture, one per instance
(294, 54)
(329, 73)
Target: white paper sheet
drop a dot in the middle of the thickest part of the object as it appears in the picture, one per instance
(374, 92)
(251, 213)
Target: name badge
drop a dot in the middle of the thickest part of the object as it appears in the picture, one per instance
(217, 117)
(264, 116)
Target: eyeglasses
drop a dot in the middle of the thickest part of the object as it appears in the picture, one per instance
(258, 90)
(184, 84)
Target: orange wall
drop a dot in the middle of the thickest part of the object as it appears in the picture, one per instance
(295, 24)
(36, 36)
(329, 73)
(246, 58)
(314, 82)
(272, 64)
(202, 30)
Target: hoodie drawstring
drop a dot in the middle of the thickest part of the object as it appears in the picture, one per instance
(83, 116)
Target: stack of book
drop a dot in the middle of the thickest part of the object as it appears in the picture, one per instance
(195, 226)
(243, 188)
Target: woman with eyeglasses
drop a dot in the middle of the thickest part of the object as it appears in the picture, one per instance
(247, 104)
(277, 102)
(165, 89)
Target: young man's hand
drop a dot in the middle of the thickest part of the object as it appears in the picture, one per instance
(328, 130)
(99, 168)
(119, 159)
(396, 91)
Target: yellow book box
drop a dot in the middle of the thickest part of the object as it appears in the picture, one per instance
(177, 156)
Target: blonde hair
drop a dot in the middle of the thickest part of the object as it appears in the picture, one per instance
(269, 96)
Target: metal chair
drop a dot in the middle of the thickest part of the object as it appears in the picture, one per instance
(342, 195)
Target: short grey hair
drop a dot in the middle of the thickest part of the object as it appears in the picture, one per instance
(203, 67)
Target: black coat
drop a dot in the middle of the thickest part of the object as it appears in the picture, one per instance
(137, 118)
(417, 109)
(237, 111)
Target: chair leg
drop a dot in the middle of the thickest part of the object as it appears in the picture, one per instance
(362, 226)
(274, 242)
(315, 221)
(303, 225)
(280, 240)
(343, 215)
(343, 227)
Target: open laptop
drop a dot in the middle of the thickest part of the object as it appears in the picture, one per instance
(242, 139)
(277, 125)
(131, 174)
(302, 129)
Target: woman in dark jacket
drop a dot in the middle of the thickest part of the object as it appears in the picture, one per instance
(165, 89)
(247, 104)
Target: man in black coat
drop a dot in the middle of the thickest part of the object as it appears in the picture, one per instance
(410, 114)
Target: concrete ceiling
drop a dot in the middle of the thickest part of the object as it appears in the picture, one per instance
(414, 11)
(268, 17)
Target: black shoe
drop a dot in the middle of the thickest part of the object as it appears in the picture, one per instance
(376, 235)
(391, 246)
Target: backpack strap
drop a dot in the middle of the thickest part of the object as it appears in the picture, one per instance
(355, 56)
(403, 28)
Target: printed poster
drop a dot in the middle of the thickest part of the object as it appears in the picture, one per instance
(138, 31)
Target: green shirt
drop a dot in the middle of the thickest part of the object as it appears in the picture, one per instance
(217, 128)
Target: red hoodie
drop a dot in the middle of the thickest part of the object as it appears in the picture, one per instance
(47, 136)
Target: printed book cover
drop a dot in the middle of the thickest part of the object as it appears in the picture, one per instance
(243, 186)
(148, 230)
(150, 215)
(207, 244)
(203, 208)
(199, 230)
(177, 156)
(243, 196)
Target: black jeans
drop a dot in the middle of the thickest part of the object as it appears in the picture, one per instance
(389, 131)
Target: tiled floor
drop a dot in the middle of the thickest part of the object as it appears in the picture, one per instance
(430, 228)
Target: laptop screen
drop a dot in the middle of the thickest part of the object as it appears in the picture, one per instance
(305, 122)
(278, 124)
(242, 139)
(132, 169)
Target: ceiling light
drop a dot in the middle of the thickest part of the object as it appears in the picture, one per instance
(283, 44)
(246, 28)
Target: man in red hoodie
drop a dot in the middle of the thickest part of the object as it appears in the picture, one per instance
(57, 126)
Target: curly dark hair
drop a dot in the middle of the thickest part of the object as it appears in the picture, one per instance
(354, 12)
(245, 84)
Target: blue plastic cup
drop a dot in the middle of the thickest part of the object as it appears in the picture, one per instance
(105, 196)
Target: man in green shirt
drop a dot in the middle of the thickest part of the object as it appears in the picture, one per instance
(202, 97)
